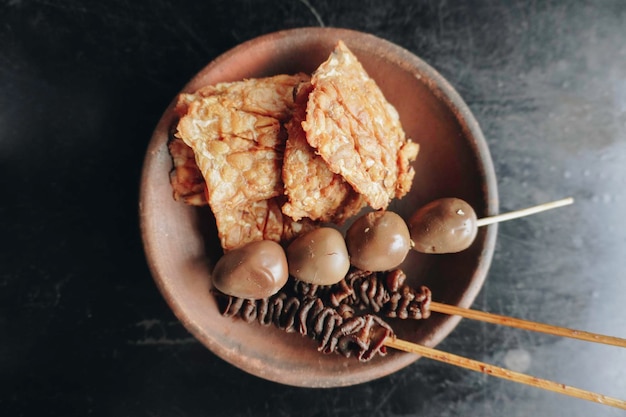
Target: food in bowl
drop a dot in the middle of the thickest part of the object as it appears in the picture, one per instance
(324, 146)
(317, 148)
(181, 241)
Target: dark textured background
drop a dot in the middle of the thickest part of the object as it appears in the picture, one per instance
(84, 331)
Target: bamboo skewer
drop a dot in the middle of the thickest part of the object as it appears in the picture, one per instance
(524, 212)
(527, 325)
(503, 373)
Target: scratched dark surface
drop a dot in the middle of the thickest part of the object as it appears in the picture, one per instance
(84, 331)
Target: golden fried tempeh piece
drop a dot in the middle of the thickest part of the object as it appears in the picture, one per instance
(313, 190)
(188, 184)
(236, 135)
(357, 132)
(235, 132)
(257, 221)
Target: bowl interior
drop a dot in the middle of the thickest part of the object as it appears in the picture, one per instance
(181, 243)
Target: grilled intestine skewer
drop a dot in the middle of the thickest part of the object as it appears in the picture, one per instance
(328, 314)
(384, 293)
(387, 293)
(381, 293)
(336, 329)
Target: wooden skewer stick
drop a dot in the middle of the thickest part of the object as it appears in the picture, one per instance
(524, 212)
(526, 325)
(503, 373)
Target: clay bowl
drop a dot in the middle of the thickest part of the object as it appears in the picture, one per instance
(454, 161)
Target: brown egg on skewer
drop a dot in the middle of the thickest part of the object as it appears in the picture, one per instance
(450, 225)
(319, 257)
(378, 241)
(254, 271)
(447, 225)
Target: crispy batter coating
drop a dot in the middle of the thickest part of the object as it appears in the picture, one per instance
(188, 184)
(236, 134)
(313, 190)
(257, 221)
(247, 223)
(275, 156)
(357, 132)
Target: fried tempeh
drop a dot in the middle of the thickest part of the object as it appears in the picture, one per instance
(357, 132)
(313, 190)
(187, 182)
(235, 131)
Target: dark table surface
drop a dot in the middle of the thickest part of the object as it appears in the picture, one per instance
(83, 329)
